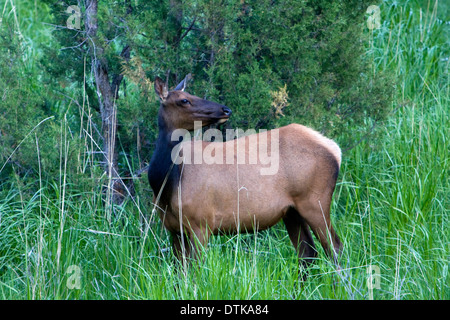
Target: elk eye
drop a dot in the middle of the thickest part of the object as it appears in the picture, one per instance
(185, 101)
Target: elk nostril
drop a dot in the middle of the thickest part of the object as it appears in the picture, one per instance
(226, 111)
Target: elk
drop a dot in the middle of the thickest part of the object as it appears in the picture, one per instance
(195, 201)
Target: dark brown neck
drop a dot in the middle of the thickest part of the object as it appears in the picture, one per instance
(161, 164)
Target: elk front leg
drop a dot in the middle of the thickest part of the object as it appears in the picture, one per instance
(180, 245)
(198, 241)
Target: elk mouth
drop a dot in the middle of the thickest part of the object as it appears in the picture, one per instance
(222, 120)
(215, 117)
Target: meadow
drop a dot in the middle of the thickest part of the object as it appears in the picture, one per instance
(391, 209)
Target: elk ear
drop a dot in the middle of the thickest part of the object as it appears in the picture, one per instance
(161, 89)
(182, 85)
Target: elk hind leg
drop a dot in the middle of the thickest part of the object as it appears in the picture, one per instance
(301, 238)
(316, 213)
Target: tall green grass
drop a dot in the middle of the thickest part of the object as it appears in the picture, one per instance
(391, 210)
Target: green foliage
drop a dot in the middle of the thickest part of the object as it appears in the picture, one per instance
(37, 131)
(391, 203)
(22, 109)
(241, 51)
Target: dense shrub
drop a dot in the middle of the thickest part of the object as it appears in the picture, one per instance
(272, 62)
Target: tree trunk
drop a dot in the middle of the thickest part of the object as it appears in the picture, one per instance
(107, 93)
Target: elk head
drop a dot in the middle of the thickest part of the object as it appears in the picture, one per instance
(180, 109)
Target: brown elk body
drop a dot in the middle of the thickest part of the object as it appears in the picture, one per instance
(197, 200)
